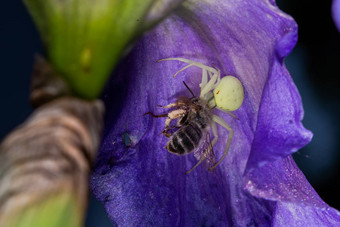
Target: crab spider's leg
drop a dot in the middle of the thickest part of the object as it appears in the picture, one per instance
(182, 69)
(194, 63)
(211, 74)
(209, 86)
(204, 78)
(228, 112)
(218, 78)
(224, 124)
(204, 156)
(214, 74)
(214, 130)
(197, 164)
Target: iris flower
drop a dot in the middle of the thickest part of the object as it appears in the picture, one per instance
(336, 13)
(258, 183)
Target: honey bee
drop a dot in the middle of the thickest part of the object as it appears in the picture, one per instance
(194, 116)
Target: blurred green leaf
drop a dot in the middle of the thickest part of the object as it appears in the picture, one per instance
(58, 210)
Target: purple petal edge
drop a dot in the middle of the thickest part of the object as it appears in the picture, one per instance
(282, 181)
(287, 214)
(280, 114)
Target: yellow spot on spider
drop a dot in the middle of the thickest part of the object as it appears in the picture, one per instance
(229, 93)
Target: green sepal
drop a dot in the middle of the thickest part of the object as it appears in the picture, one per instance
(84, 39)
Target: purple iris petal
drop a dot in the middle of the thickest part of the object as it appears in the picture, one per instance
(288, 214)
(336, 13)
(141, 184)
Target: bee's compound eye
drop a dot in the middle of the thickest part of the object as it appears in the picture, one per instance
(229, 93)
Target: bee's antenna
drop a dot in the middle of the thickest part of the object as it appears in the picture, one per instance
(189, 89)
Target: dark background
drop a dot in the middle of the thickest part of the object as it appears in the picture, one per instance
(314, 65)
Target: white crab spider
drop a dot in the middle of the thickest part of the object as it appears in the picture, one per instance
(227, 93)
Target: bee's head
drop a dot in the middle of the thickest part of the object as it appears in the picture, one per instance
(195, 100)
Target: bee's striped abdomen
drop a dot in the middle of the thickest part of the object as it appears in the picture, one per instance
(186, 139)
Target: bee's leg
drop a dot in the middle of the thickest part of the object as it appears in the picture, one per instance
(166, 132)
(171, 116)
(156, 116)
(169, 128)
(174, 115)
(169, 105)
(175, 104)
(167, 120)
(224, 124)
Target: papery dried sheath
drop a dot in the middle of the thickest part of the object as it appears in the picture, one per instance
(45, 162)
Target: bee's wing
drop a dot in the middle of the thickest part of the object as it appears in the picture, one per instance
(206, 152)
